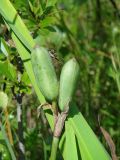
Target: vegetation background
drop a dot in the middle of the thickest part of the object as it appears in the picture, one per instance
(87, 29)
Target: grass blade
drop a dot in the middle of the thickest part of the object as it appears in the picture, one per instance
(4, 47)
(90, 146)
(16, 24)
(71, 150)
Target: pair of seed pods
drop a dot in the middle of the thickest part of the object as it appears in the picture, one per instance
(47, 80)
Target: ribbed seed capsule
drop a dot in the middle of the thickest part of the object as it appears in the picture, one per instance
(44, 73)
(3, 99)
(68, 82)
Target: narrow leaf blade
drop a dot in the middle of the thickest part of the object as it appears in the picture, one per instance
(90, 146)
(4, 47)
(71, 149)
(14, 21)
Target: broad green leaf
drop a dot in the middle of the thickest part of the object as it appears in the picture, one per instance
(71, 149)
(4, 47)
(90, 146)
(8, 70)
(16, 24)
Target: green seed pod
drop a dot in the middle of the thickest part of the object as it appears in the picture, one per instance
(68, 82)
(44, 73)
(3, 99)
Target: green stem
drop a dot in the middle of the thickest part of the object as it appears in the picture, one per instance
(59, 124)
(55, 112)
(54, 107)
(55, 143)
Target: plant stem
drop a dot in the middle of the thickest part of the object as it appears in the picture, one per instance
(55, 143)
(55, 111)
(59, 124)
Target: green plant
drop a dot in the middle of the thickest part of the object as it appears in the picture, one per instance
(81, 135)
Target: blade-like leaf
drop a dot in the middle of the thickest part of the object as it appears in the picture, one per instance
(71, 150)
(4, 47)
(90, 146)
(16, 24)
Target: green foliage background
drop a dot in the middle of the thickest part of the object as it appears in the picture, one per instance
(86, 29)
